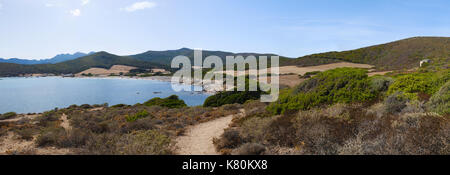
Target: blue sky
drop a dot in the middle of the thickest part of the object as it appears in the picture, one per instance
(36, 29)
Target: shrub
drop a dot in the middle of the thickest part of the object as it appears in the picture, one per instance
(86, 106)
(149, 142)
(139, 115)
(26, 133)
(309, 74)
(395, 103)
(342, 85)
(50, 137)
(229, 139)
(140, 124)
(250, 149)
(380, 83)
(119, 106)
(169, 102)
(412, 84)
(231, 97)
(408, 134)
(75, 138)
(8, 115)
(440, 101)
(235, 96)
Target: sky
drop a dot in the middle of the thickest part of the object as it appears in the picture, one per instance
(37, 29)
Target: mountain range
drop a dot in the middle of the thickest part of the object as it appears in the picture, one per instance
(402, 54)
(56, 59)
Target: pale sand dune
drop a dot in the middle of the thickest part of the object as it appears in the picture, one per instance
(302, 70)
(116, 69)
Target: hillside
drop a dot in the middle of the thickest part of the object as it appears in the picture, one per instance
(56, 59)
(98, 60)
(401, 54)
(165, 57)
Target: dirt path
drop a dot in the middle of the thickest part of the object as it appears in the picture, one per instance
(65, 123)
(198, 139)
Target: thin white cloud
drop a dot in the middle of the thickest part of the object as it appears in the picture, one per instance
(49, 5)
(85, 2)
(75, 12)
(139, 6)
(1, 5)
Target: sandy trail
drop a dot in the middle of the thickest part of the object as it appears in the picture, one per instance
(19, 118)
(198, 139)
(65, 123)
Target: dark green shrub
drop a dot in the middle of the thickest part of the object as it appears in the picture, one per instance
(342, 85)
(86, 106)
(235, 96)
(231, 97)
(8, 115)
(169, 102)
(309, 74)
(119, 106)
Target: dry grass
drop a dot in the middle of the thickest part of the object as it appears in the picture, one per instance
(344, 129)
(116, 69)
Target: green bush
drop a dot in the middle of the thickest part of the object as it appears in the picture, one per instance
(169, 102)
(139, 115)
(119, 106)
(231, 97)
(235, 96)
(413, 84)
(8, 115)
(342, 85)
(440, 101)
(309, 74)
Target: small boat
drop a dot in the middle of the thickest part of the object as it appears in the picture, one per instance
(157, 92)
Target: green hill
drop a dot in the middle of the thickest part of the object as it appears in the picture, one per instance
(396, 55)
(98, 60)
(165, 57)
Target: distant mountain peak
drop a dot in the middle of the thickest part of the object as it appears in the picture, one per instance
(56, 59)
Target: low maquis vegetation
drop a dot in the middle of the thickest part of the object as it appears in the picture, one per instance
(169, 102)
(415, 84)
(7, 115)
(340, 129)
(235, 96)
(119, 130)
(343, 85)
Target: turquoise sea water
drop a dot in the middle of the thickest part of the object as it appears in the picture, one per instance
(32, 95)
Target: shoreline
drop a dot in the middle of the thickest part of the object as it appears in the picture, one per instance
(208, 89)
(167, 79)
